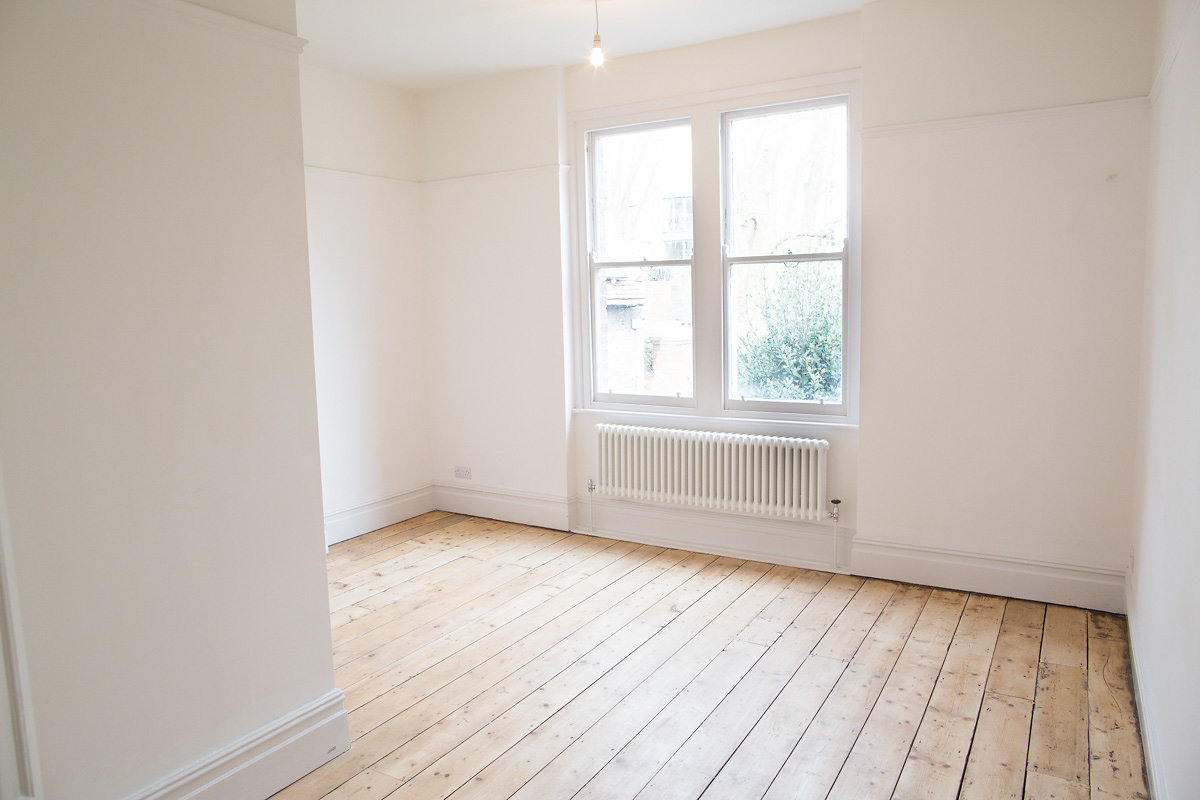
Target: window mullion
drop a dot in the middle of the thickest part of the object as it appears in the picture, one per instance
(707, 285)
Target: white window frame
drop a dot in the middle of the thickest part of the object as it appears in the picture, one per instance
(595, 266)
(709, 266)
(728, 367)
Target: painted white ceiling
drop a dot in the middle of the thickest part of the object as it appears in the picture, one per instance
(418, 43)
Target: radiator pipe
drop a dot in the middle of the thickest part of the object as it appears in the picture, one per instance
(835, 514)
(591, 487)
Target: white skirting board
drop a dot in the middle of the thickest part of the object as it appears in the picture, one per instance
(1150, 744)
(795, 544)
(362, 519)
(811, 545)
(1065, 584)
(526, 508)
(263, 762)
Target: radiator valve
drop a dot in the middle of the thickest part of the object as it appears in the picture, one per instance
(836, 512)
(591, 486)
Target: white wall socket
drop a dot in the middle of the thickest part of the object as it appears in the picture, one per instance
(462, 472)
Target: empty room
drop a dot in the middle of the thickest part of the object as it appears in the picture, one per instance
(599, 399)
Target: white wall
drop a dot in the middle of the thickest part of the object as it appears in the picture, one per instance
(497, 123)
(437, 296)
(930, 59)
(492, 204)
(810, 48)
(370, 323)
(356, 125)
(1002, 271)
(157, 403)
(496, 337)
(1164, 602)
(1001, 319)
(370, 301)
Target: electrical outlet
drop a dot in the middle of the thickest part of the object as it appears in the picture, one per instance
(462, 472)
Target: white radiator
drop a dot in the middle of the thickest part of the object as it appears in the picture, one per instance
(770, 475)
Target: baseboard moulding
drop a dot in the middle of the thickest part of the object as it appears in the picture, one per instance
(368, 517)
(811, 545)
(777, 541)
(264, 761)
(525, 508)
(1148, 730)
(1064, 584)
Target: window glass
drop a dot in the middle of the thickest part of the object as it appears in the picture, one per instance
(785, 331)
(643, 338)
(642, 193)
(787, 181)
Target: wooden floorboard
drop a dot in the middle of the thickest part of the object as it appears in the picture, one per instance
(483, 659)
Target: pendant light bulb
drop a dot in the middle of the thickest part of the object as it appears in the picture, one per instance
(597, 57)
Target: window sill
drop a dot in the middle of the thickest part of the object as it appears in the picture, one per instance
(731, 422)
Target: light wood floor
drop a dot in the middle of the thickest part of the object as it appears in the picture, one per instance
(482, 659)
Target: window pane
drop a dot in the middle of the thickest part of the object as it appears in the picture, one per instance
(644, 331)
(642, 193)
(787, 182)
(786, 331)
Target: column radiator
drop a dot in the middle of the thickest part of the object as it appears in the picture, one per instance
(768, 475)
